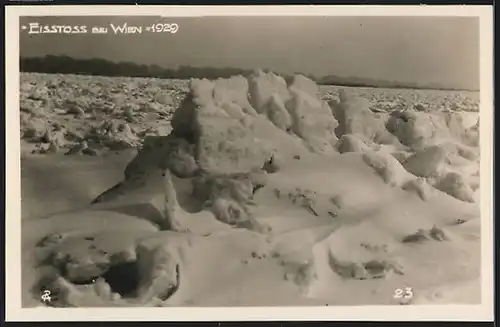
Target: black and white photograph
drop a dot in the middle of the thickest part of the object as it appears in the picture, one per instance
(251, 161)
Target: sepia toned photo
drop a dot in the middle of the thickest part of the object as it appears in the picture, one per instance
(230, 162)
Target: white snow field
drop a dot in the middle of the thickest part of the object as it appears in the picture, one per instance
(246, 191)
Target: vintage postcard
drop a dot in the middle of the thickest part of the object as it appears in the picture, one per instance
(241, 163)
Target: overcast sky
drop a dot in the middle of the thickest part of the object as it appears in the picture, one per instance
(406, 49)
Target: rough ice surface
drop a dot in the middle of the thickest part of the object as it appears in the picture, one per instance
(252, 189)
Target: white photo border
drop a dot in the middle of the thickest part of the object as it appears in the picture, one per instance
(14, 310)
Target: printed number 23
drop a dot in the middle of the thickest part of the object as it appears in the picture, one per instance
(403, 293)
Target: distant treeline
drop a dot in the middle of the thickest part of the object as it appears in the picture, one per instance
(66, 65)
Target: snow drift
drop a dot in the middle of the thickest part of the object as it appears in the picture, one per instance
(263, 190)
